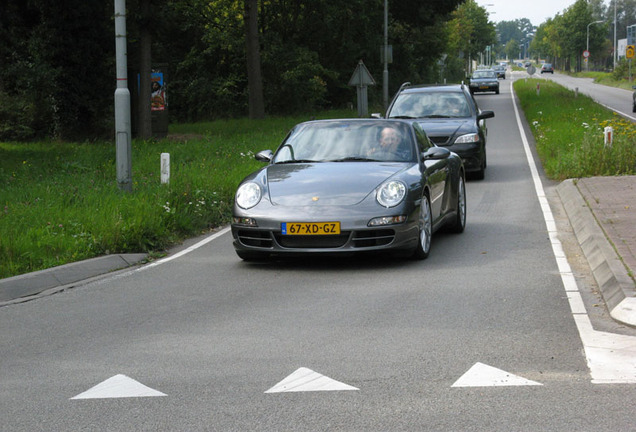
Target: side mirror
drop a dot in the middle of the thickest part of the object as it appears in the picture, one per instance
(264, 156)
(436, 153)
(485, 115)
(376, 115)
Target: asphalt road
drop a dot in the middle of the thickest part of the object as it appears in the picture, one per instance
(482, 336)
(617, 99)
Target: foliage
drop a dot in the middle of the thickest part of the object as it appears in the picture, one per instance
(470, 31)
(58, 58)
(569, 130)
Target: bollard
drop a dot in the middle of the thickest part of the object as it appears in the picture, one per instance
(608, 132)
(538, 89)
(165, 168)
(576, 91)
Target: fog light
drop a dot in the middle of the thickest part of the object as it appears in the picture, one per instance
(386, 220)
(244, 221)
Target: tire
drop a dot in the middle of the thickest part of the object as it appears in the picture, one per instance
(425, 230)
(497, 91)
(459, 223)
(479, 175)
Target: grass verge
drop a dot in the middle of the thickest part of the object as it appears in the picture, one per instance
(569, 132)
(59, 202)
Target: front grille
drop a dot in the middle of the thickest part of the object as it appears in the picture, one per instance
(255, 238)
(380, 237)
(440, 140)
(313, 241)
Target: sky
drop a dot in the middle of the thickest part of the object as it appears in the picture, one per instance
(537, 11)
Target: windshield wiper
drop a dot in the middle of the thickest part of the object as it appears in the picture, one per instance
(296, 161)
(403, 117)
(436, 116)
(353, 159)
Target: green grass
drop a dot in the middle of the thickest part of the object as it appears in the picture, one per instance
(568, 131)
(59, 202)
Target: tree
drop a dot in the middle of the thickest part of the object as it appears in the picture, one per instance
(254, 78)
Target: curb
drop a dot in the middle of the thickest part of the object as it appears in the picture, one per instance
(30, 284)
(617, 288)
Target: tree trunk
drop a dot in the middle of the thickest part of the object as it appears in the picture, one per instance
(145, 64)
(254, 78)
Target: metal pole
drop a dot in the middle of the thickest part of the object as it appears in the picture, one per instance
(122, 102)
(385, 72)
(615, 47)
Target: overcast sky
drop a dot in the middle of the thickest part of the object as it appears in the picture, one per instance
(537, 11)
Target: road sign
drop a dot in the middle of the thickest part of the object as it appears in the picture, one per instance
(586, 53)
(361, 76)
(629, 52)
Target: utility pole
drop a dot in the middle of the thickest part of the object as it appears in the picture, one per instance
(122, 102)
(385, 72)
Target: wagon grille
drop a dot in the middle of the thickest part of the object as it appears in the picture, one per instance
(439, 140)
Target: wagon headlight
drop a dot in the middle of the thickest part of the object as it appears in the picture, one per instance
(391, 193)
(248, 195)
(468, 138)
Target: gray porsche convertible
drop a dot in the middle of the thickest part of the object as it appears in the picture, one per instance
(349, 186)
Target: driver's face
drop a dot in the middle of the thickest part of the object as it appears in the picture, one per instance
(389, 138)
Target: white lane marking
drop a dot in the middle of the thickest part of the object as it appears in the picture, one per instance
(186, 251)
(610, 357)
(306, 380)
(119, 386)
(482, 375)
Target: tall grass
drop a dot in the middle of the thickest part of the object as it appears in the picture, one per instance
(59, 202)
(569, 134)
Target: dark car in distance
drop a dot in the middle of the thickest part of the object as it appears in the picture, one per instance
(500, 70)
(450, 117)
(484, 80)
(338, 187)
(547, 68)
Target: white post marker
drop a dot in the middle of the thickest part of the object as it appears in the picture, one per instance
(608, 132)
(165, 168)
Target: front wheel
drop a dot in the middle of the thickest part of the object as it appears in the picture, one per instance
(459, 223)
(425, 228)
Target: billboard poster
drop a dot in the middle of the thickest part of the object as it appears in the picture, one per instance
(158, 92)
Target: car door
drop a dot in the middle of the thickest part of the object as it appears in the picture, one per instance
(436, 173)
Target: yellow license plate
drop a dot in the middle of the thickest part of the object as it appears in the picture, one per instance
(310, 228)
(483, 87)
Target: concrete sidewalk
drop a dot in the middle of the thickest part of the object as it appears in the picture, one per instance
(602, 213)
(65, 276)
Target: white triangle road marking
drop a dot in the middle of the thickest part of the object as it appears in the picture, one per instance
(481, 375)
(119, 386)
(305, 380)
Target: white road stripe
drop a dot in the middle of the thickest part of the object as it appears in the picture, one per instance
(610, 357)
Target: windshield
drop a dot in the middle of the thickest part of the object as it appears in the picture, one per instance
(355, 141)
(483, 74)
(430, 105)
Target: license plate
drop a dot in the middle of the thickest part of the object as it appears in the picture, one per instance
(483, 87)
(310, 228)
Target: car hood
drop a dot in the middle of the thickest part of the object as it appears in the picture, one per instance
(327, 183)
(450, 127)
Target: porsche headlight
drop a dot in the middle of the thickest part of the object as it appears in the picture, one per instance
(468, 138)
(391, 193)
(248, 195)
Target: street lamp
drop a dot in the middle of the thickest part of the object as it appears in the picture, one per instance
(587, 47)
